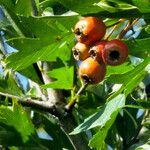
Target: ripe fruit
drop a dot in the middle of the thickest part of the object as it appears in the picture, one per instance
(89, 30)
(90, 71)
(81, 51)
(96, 51)
(115, 52)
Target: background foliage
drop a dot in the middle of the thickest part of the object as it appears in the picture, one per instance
(111, 115)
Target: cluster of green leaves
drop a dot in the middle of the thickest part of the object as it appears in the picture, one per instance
(49, 38)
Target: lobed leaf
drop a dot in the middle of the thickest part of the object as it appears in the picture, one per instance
(129, 80)
(30, 53)
(139, 47)
(64, 76)
(15, 124)
(104, 116)
(8, 85)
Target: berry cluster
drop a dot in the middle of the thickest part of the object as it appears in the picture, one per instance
(94, 52)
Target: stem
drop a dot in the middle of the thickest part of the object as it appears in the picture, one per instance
(127, 28)
(71, 104)
(111, 32)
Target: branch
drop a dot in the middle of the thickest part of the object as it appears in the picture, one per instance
(36, 104)
(55, 97)
(67, 122)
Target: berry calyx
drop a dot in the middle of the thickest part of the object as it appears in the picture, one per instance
(96, 51)
(92, 72)
(115, 52)
(81, 51)
(89, 30)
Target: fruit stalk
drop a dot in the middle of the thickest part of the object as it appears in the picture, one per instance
(71, 104)
(127, 28)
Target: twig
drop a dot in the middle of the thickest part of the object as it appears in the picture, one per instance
(71, 104)
(113, 29)
(35, 104)
(111, 32)
(127, 28)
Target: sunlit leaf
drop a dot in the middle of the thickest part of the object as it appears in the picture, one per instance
(105, 115)
(129, 80)
(64, 78)
(29, 55)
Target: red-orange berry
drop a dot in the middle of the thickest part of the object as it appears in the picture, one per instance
(96, 51)
(81, 51)
(115, 52)
(92, 72)
(89, 30)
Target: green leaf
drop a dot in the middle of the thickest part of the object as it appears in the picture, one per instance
(15, 126)
(141, 104)
(64, 76)
(106, 115)
(7, 3)
(81, 7)
(121, 69)
(15, 22)
(30, 53)
(143, 5)
(139, 47)
(114, 6)
(114, 108)
(129, 80)
(44, 28)
(147, 29)
(96, 7)
(8, 85)
(50, 28)
(22, 7)
(98, 139)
